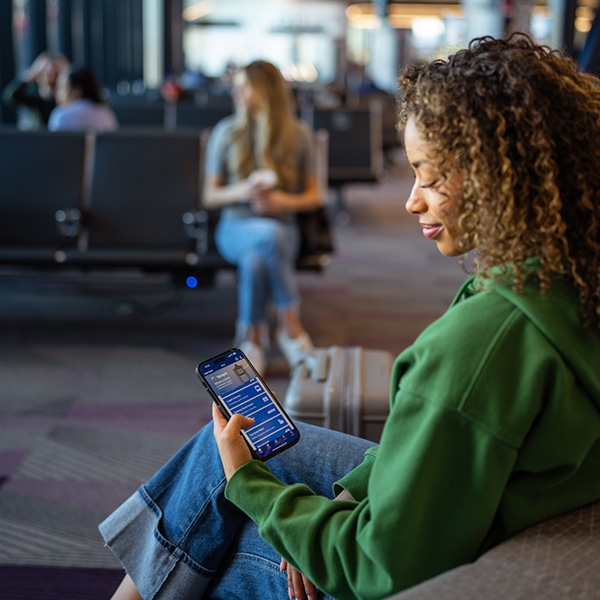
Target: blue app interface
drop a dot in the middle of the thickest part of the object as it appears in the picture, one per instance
(235, 382)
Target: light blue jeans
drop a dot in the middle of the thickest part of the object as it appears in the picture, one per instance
(179, 537)
(264, 252)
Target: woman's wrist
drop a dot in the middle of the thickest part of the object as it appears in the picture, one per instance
(344, 495)
(232, 193)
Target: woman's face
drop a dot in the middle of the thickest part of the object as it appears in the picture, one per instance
(243, 95)
(433, 198)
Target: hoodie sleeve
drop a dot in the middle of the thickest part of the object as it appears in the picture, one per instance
(414, 523)
(437, 479)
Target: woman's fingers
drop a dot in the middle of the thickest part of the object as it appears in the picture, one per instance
(299, 586)
(233, 450)
(219, 420)
(232, 427)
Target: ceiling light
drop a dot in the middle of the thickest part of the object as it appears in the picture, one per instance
(428, 28)
(583, 25)
(198, 10)
(363, 16)
(403, 16)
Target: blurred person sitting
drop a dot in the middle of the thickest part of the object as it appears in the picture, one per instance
(80, 105)
(33, 94)
(260, 171)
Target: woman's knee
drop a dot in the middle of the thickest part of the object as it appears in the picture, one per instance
(252, 266)
(279, 243)
(274, 240)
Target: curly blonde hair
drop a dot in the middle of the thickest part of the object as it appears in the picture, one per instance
(523, 124)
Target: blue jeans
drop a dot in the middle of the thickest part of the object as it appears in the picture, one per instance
(179, 537)
(264, 252)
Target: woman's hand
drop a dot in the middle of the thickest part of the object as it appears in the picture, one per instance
(37, 68)
(269, 201)
(299, 586)
(233, 450)
(265, 198)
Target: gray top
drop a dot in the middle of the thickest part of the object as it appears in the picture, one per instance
(216, 160)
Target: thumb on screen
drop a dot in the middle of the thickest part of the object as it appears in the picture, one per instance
(241, 422)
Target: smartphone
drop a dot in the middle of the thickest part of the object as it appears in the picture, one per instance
(236, 387)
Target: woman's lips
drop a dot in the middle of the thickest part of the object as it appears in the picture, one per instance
(431, 231)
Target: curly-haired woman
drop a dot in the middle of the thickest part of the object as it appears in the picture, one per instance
(260, 172)
(495, 409)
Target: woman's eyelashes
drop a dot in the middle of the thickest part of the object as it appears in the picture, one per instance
(433, 184)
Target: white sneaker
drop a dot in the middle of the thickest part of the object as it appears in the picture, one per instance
(294, 348)
(255, 355)
(241, 330)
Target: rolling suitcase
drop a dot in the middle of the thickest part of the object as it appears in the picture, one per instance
(342, 388)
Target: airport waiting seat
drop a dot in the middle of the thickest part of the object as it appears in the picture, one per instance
(129, 200)
(558, 559)
(355, 152)
(389, 115)
(141, 185)
(355, 141)
(190, 116)
(139, 112)
(316, 233)
(41, 174)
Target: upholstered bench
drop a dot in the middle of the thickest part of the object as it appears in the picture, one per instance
(558, 559)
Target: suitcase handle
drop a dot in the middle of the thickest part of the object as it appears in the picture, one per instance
(317, 363)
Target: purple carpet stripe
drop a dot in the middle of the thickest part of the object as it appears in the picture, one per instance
(99, 497)
(10, 460)
(86, 454)
(42, 583)
(175, 418)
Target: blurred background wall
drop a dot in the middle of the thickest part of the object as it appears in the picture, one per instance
(333, 45)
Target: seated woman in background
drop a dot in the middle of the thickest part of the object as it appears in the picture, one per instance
(33, 94)
(260, 170)
(494, 422)
(80, 106)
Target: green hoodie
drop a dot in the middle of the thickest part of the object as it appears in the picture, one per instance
(494, 426)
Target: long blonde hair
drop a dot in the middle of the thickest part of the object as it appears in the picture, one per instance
(267, 138)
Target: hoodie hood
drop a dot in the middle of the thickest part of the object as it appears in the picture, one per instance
(558, 318)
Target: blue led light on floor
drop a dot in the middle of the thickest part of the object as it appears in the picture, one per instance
(191, 282)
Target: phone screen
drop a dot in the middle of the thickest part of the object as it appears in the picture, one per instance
(236, 387)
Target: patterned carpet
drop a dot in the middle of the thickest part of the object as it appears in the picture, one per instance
(97, 387)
